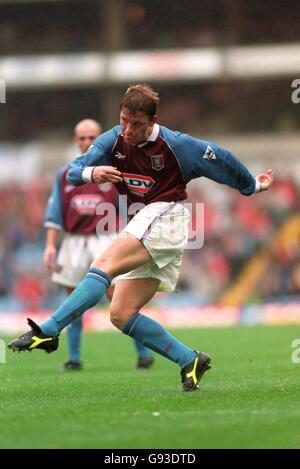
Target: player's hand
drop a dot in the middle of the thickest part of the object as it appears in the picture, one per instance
(106, 174)
(265, 180)
(50, 257)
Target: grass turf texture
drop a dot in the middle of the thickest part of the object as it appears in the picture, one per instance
(250, 398)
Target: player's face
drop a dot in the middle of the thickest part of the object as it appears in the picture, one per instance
(136, 128)
(85, 137)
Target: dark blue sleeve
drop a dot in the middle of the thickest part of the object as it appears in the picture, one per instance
(53, 214)
(98, 154)
(198, 158)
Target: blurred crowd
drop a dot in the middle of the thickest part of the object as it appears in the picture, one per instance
(24, 282)
(235, 228)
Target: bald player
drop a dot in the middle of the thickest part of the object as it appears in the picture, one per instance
(73, 210)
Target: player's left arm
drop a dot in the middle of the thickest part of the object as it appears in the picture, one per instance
(214, 162)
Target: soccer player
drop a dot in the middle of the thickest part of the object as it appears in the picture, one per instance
(151, 164)
(73, 209)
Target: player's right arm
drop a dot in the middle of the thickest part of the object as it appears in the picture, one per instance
(50, 251)
(95, 164)
(53, 222)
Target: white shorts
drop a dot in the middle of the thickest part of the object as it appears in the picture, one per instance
(75, 256)
(163, 229)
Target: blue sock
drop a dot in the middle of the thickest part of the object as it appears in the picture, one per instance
(158, 339)
(74, 335)
(142, 351)
(86, 295)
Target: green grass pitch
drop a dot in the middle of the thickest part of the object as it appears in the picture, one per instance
(250, 398)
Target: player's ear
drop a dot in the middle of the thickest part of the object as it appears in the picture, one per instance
(153, 119)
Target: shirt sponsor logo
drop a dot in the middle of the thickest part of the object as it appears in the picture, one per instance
(86, 204)
(138, 183)
(157, 162)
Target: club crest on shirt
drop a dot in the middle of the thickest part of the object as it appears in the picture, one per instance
(157, 162)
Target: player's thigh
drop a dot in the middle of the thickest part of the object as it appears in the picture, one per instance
(129, 297)
(123, 254)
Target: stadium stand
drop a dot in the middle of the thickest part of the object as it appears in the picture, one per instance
(236, 231)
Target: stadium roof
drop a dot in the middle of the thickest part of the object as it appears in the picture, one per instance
(58, 70)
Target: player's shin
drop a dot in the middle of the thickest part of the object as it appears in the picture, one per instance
(154, 336)
(86, 295)
(74, 339)
(142, 351)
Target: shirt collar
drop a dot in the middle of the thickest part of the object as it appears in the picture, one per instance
(152, 137)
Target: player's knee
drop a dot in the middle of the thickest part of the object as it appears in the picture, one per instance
(105, 264)
(100, 261)
(118, 319)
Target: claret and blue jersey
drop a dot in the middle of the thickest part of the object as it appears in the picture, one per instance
(159, 169)
(73, 208)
